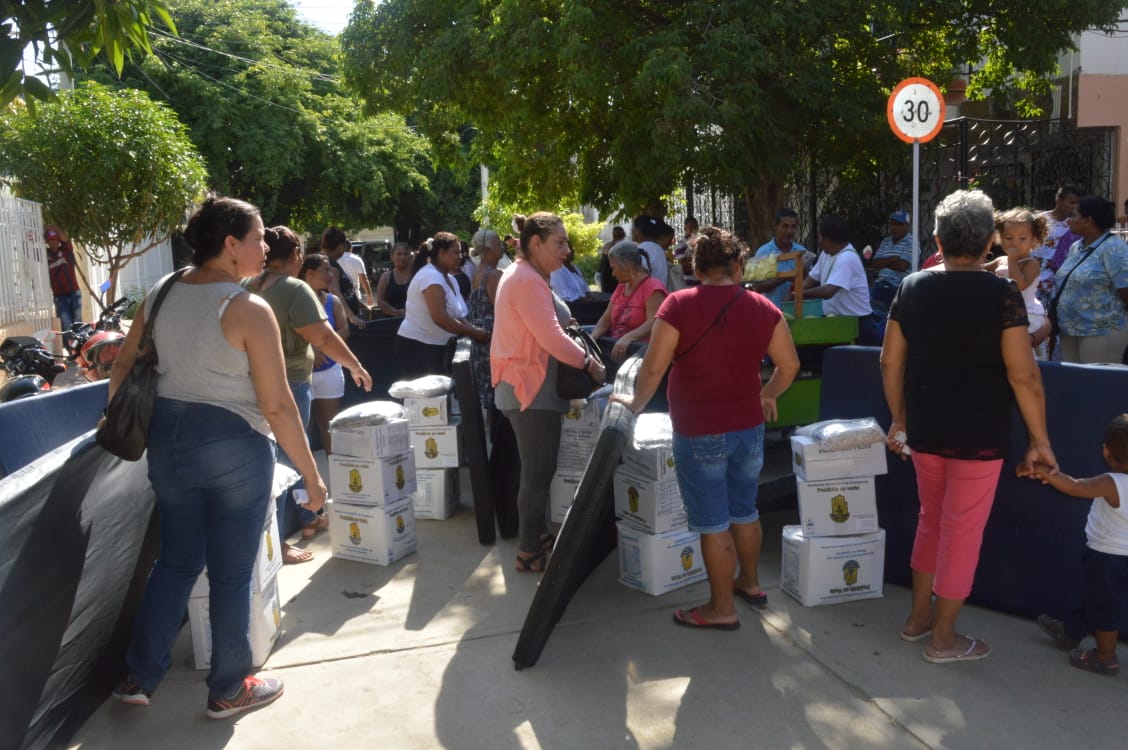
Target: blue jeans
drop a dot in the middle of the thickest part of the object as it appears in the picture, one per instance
(68, 307)
(719, 477)
(212, 476)
(290, 516)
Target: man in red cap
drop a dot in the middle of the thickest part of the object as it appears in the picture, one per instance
(64, 283)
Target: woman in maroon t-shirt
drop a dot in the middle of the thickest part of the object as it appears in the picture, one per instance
(716, 336)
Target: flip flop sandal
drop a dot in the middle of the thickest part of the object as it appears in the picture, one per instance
(534, 563)
(547, 542)
(756, 600)
(1088, 660)
(690, 618)
(968, 655)
(915, 638)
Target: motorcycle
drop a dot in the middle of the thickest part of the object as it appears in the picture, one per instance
(30, 367)
(93, 347)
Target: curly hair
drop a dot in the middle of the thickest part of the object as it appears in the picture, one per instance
(716, 248)
(1039, 227)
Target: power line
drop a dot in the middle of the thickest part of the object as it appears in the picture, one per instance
(324, 77)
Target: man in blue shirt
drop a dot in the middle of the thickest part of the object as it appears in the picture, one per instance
(786, 227)
(894, 259)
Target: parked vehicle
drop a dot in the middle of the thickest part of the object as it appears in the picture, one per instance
(31, 368)
(95, 346)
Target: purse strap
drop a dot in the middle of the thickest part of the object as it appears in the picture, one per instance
(146, 347)
(1061, 286)
(721, 314)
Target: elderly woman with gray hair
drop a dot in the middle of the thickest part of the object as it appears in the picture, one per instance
(955, 360)
(630, 314)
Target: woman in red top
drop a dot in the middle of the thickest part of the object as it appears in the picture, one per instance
(629, 316)
(716, 336)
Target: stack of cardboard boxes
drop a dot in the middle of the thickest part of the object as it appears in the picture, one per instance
(837, 553)
(436, 437)
(266, 614)
(657, 552)
(372, 481)
(579, 432)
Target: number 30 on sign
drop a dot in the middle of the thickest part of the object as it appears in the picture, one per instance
(916, 110)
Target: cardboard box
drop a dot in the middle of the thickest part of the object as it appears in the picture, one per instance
(438, 494)
(659, 563)
(267, 563)
(838, 507)
(651, 505)
(437, 447)
(574, 454)
(562, 494)
(426, 412)
(372, 481)
(372, 441)
(582, 420)
(831, 569)
(365, 533)
(814, 464)
(650, 463)
(266, 626)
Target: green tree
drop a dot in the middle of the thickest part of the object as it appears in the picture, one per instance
(616, 104)
(113, 168)
(258, 91)
(68, 35)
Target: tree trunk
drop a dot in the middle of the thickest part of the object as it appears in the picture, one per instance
(762, 199)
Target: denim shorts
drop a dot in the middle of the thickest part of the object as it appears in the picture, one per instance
(719, 477)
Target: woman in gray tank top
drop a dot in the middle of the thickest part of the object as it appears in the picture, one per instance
(222, 396)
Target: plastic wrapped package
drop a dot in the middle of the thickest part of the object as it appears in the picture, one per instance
(761, 269)
(653, 430)
(842, 434)
(368, 414)
(424, 387)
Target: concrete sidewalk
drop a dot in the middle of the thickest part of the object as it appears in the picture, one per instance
(418, 655)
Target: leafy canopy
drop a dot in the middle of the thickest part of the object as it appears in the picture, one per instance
(615, 104)
(258, 91)
(68, 35)
(114, 169)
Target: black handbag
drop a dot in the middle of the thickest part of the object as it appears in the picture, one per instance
(577, 382)
(125, 430)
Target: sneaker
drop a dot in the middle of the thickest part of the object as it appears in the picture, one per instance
(1055, 629)
(130, 692)
(254, 693)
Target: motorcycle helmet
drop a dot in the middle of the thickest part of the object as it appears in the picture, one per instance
(97, 355)
(22, 387)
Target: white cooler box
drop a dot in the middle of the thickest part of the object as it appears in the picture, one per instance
(659, 563)
(652, 505)
(427, 412)
(365, 533)
(437, 447)
(372, 441)
(438, 494)
(832, 569)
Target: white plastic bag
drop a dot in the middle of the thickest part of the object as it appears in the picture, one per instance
(842, 434)
(368, 414)
(653, 430)
(424, 387)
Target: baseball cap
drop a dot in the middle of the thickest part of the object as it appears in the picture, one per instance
(52, 234)
(901, 217)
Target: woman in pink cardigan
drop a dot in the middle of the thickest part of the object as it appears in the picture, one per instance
(528, 342)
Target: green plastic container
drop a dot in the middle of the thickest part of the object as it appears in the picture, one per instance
(812, 308)
(799, 405)
(836, 329)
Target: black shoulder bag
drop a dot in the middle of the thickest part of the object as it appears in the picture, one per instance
(1052, 313)
(125, 430)
(577, 382)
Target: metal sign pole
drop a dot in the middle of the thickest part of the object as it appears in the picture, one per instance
(916, 204)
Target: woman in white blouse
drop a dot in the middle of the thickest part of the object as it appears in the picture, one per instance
(568, 281)
(435, 313)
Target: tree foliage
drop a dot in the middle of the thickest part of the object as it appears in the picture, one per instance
(615, 104)
(69, 35)
(113, 168)
(257, 89)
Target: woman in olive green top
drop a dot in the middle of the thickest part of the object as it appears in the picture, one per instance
(302, 322)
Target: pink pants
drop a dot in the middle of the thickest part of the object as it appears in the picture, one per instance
(955, 500)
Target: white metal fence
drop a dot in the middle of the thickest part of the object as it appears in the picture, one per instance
(25, 288)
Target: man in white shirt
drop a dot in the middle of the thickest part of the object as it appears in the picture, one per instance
(645, 232)
(353, 265)
(838, 278)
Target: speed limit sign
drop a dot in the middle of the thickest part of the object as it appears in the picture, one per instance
(916, 110)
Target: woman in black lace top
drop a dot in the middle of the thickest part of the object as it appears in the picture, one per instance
(955, 360)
